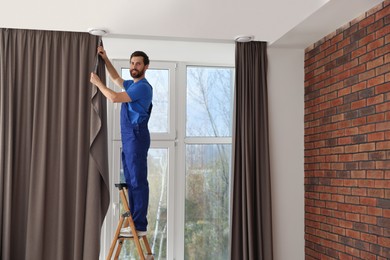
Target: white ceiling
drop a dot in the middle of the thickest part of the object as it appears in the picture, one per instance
(274, 21)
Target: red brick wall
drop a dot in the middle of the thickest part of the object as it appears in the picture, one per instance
(347, 141)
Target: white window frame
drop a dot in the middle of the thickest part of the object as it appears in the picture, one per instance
(175, 140)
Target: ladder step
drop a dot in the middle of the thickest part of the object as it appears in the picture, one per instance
(126, 228)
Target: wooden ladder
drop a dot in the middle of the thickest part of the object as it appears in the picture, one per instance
(126, 220)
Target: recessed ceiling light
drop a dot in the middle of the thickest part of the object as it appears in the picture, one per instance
(244, 38)
(97, 32)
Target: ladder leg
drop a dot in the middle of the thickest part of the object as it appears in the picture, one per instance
(148, 250)
(114, 241)
(136, 238)
(119, 248)
(129, 223)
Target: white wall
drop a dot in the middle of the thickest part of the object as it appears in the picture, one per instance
(219, 53)
(286, 120)
(286, 101)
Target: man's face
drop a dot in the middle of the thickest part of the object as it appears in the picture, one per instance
(137, 67)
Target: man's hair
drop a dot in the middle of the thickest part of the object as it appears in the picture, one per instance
(141, 54)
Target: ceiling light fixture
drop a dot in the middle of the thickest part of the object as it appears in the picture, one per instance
(244, 38)
(97, 32)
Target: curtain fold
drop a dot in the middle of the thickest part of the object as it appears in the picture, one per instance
(53, 146)
(251, 222)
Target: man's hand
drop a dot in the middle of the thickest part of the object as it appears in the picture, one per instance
(95, 80)
(102, 52)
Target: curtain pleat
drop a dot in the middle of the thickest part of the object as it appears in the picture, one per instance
(53, 146)
(251, 222)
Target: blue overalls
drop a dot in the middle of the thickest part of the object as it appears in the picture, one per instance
(135, 146)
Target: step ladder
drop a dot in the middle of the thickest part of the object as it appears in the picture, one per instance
(126, 220)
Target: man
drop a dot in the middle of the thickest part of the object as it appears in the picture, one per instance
(135, 113)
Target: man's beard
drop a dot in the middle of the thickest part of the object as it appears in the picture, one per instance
(136, 74)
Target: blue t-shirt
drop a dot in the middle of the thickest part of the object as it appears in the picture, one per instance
(141, 94)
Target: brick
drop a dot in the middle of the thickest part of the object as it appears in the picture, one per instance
(380, 155)
(367, 165)
(358, 174)
(373, 211)
(344, 91)
(366, 93)
(366, 147)
(360, 157)
(350, 251)
(383, 145)
(375, 44)
(382, 13)
(377, 193)
(367, 128)
(353, 63)
(344, 140)
(368, 201)
(359, 121)
(352, 233)
(366, 111)
(378, 136)
(351, 148)
(374, 63)
(368, 219)
(338, 198)
(384, 241)
(375, 100)
(345, 224)
(369, 238)
(382, 126)
(382, 183)
(351, 199)
(361, 245)
(358, 104)
(359, 35)
(367, 75)
(375, 81)
(352, 131)
(359, 86)
(382, 32)
(367, 256)
(375, 230)
(384, 51)
(382, 69)
(358, 52)
(383, 222)
(349, 30)
(367, 21)
(367, 57)
(375, 9)
(351, 114)
(376, 118)
(382, 88)
(366, 183)
(382, 107)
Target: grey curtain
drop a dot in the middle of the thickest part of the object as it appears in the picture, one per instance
(251, 192)
(53, 146)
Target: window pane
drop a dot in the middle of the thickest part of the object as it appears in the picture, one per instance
(159, 79)
(157, 212)
(207, 201)
(209, 101)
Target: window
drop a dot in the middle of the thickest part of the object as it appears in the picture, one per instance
(208, 156)
(189, 162)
